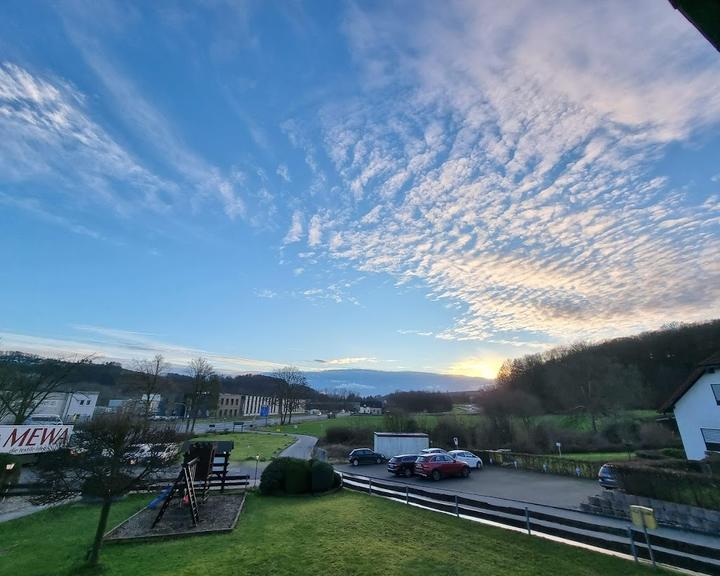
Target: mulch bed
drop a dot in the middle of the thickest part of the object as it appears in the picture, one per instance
(219, 513)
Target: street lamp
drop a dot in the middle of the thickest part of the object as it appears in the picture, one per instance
(257, 461)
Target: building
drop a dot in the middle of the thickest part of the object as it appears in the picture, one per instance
(696, 405)
(235, 405)
(373, 410)
(69, 406)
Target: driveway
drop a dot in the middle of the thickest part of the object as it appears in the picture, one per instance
(495, 482)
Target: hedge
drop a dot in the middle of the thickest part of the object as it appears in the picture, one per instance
(541, 463)
(672, 485)
(295, 476)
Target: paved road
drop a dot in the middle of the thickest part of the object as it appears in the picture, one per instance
(302, 448)
(518, 485)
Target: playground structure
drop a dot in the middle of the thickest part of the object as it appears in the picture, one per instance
(204, 464)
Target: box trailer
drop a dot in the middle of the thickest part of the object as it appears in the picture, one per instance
(390, 444)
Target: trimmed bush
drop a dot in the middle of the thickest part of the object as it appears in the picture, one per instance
(286, 476)
(348, 435)
(322, 476)
(674, 485)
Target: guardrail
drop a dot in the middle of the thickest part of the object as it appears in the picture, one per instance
(629, 541)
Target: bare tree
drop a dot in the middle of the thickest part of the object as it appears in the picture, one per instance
(289, 391)
(104, 463)
(201, 372)
(150, 380)
(25, 383)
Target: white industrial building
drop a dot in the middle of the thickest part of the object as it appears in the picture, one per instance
(233, 405)
(69, 406)
(696, 405)
(372, 410)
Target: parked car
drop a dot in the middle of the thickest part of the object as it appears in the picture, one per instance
(364, 456)
(438, 466)
(43, 420)
(403, 465)
(607, 477)
(433, 451)
(468, 457)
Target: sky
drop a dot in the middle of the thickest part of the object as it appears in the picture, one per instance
(431, 186)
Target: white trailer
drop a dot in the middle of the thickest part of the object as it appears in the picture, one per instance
(390, 444)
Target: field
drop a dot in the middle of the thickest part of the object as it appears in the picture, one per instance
(428, 421)
(345, 533)
(250, 444)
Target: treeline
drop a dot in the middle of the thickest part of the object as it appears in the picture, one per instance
(634, 372)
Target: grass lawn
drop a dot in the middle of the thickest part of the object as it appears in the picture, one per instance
(598, 456)
(345, 533)
(249, 444)
(318, 427)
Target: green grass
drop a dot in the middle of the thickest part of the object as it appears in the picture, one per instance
(318, 427)
(249, 444)
(598, 456)
(344, 533)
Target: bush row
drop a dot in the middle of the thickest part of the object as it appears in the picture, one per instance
(673, 485)
(541, 463)
(295, 476)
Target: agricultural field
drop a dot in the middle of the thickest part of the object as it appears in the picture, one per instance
(250, 444)
(344, 533)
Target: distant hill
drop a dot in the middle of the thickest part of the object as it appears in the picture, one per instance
(380, 383)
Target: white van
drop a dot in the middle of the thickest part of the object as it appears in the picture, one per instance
(43, 420)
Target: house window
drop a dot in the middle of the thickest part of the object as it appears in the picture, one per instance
(712, 439)
(716, 391)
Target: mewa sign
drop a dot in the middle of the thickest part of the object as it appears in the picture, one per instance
(33, 439)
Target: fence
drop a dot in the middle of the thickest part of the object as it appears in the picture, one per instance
(541, 463)
(629, 541)
(230, 482)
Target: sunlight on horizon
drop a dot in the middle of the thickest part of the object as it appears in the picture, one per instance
(477, 367)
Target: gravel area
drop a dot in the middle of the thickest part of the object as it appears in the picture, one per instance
(219, 513)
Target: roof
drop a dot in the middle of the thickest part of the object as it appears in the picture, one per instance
(704, 15)
(695, 375)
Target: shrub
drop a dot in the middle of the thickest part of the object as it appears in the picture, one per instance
(286, 475)
(322, 476)
(348, 435)
(654, 435)
(674, 485)
(621, 432)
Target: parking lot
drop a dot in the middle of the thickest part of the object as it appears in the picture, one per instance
(518, 485)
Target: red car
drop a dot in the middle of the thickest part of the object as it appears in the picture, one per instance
(438, 466)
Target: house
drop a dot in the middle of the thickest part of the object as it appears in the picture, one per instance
(696, 405)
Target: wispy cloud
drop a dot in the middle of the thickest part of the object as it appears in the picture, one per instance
(517, 178)
(348, 360)
(284, 173)
(294, 234)
(125, 346)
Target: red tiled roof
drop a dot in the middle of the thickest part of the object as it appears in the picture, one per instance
(694, 376)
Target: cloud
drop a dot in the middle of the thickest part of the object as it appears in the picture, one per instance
(349, 360)
(47, 136)
(125, 346)
(519, 179)
(269, 294)
(294, 234)
(314, 231)
(282, 171)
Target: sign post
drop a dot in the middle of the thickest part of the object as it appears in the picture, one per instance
(559, 447)
(33, 439)
(644, 518)
(455, 441)
(265, 411)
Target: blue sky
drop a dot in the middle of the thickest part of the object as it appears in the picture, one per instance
(412, 185)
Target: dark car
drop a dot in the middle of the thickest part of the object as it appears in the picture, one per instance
(438, 466)
(607, 477)
(364, 456)
(403, 465)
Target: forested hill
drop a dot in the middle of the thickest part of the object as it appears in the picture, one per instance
(637, 371)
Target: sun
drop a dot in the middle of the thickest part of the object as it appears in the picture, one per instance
(479, 367)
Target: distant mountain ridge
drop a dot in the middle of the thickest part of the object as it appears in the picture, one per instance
(379, 382)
